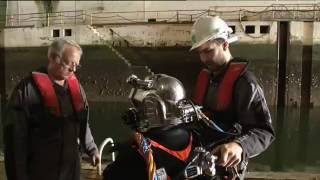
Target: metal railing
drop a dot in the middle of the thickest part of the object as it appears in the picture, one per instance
(276, 12)
(93, 18)
(45, 19)
(101, 147)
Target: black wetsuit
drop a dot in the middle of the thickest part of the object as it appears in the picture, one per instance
(131, 165)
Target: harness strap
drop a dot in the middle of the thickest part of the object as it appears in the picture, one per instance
(182, 155)
(144, 148)
(47, 92)
(49, 95)
(225, 89)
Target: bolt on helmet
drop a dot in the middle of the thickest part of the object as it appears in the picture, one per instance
(208, 28)
(155, 101)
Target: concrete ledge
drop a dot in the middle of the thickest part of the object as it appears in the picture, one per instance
(282, 176)
(21, 26)
(90, 172)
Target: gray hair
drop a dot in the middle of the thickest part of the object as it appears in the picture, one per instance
(57, 47)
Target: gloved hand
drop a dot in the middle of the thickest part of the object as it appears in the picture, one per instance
(95, 159)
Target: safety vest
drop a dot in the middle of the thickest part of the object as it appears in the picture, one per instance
(225, 89)
(145, 146)
(49, 96)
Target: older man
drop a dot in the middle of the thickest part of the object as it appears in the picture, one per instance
(47, 119)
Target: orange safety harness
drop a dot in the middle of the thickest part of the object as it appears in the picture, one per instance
(145, 150)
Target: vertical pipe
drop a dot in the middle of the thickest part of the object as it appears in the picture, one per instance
(75, 21)
(282, 47)
(18, 13)
(283, 38)
(61, 18)
(305, 91)
(91, 19)
(83, 16)
(75, 12)
(6, 10)
(177, 16)
(3, 94)
(144, 11)
(48, 19)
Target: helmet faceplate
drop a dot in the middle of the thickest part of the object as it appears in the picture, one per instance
(155, 99)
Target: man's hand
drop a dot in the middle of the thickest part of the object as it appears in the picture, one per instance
(95, 159)
(229, 154)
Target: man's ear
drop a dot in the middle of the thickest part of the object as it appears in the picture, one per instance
(52, 58)
(225, 45)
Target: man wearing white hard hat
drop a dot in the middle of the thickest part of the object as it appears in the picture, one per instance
(231, 97)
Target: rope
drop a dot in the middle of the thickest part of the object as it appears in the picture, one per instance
(144, 148)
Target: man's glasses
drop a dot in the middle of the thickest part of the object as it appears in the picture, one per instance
(71, 67)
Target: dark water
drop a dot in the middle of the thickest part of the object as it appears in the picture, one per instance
(296, 147)
(103, 77)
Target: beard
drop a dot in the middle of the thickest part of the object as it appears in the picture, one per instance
(216, 65)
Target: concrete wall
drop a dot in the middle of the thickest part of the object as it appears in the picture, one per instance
(169, 35)
(294, 63)
(150, 35)
(315, 83)
(301, 36)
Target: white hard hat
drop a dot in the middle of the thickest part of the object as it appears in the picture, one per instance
(208, 28)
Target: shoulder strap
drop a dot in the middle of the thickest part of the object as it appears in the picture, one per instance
(74, 88)
(145, 151)
(182, 155)
(49, 96)
(201, 86)
(47, 91)
(226, 87)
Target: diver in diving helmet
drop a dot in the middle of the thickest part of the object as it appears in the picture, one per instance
(159, 101)
(159, 114)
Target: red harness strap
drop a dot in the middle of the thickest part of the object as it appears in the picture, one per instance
(49, 96)
(201, 86)
(143, 146)
(74, 88)
(182, 155)
(225, 88)
(47, 92)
